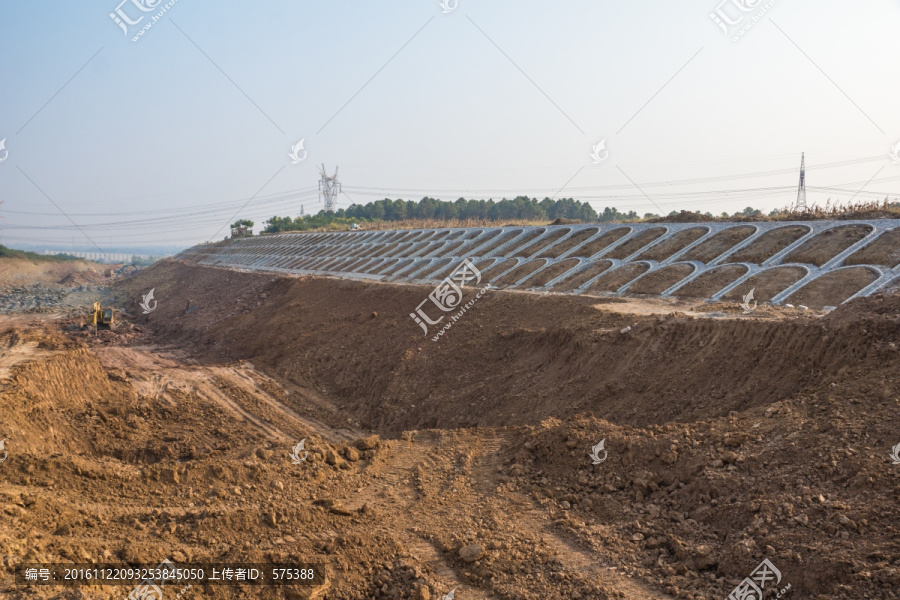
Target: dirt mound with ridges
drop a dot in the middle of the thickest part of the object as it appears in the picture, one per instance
(729, 440)
(379, 365)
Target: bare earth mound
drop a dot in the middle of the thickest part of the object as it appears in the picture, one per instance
(727, 440)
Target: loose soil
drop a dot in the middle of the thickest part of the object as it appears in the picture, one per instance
(387, 250)
(551, 273)
(885, 250)
(613, 280)
(833, 288)
(459, 464)
(498, 268)
(18, 271)
(768, 284)
(576, 280)
(769, 244)
(519, 273)
(365, 265)
(577, 238)
(677, 242)
(437, 266)
(635, 243)
(536, 248)
(354, 264)
(397, 267)
(719, 243)
(428, 249)
(529, 237)
(710, 282)
(659, 281)
(484, 237)
(828, 244)
(605, 240)
(407, 250)
(499, 241)
(383, 268)
(450, 249)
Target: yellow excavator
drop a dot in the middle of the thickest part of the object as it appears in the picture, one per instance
(103, 318)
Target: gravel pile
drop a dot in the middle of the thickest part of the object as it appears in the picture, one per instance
(40, 298)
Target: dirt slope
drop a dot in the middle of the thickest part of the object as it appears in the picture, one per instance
(141, 456)
(727, 439)
(514, 358)
(735, 439)
(15, 271)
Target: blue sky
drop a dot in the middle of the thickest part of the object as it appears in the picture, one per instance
(163, 140)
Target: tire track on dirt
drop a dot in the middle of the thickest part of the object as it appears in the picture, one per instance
(218, 384)
(391, 490)
(466, 460)
(486, 466)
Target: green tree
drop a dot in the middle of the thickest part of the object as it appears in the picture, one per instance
(241, 228)
(748, 212)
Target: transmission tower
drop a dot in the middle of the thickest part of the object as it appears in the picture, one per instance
(801, 188)
(329, 188)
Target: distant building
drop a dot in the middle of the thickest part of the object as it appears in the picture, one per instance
(107, 257)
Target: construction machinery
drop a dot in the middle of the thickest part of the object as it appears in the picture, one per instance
(103, 318)
(121, 270)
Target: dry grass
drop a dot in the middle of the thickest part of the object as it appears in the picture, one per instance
(839, 210)
(429, 224)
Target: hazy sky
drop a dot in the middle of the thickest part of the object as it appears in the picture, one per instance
(161, 141)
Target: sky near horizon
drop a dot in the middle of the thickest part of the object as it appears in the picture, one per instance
(168, 139)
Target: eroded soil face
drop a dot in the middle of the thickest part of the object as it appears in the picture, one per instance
(458, 464)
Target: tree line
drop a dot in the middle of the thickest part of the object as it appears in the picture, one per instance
(521, 208)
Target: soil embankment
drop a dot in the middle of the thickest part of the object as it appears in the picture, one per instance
(513, 359)
(728, 439)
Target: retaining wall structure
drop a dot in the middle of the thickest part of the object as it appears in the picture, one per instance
(811, 262)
